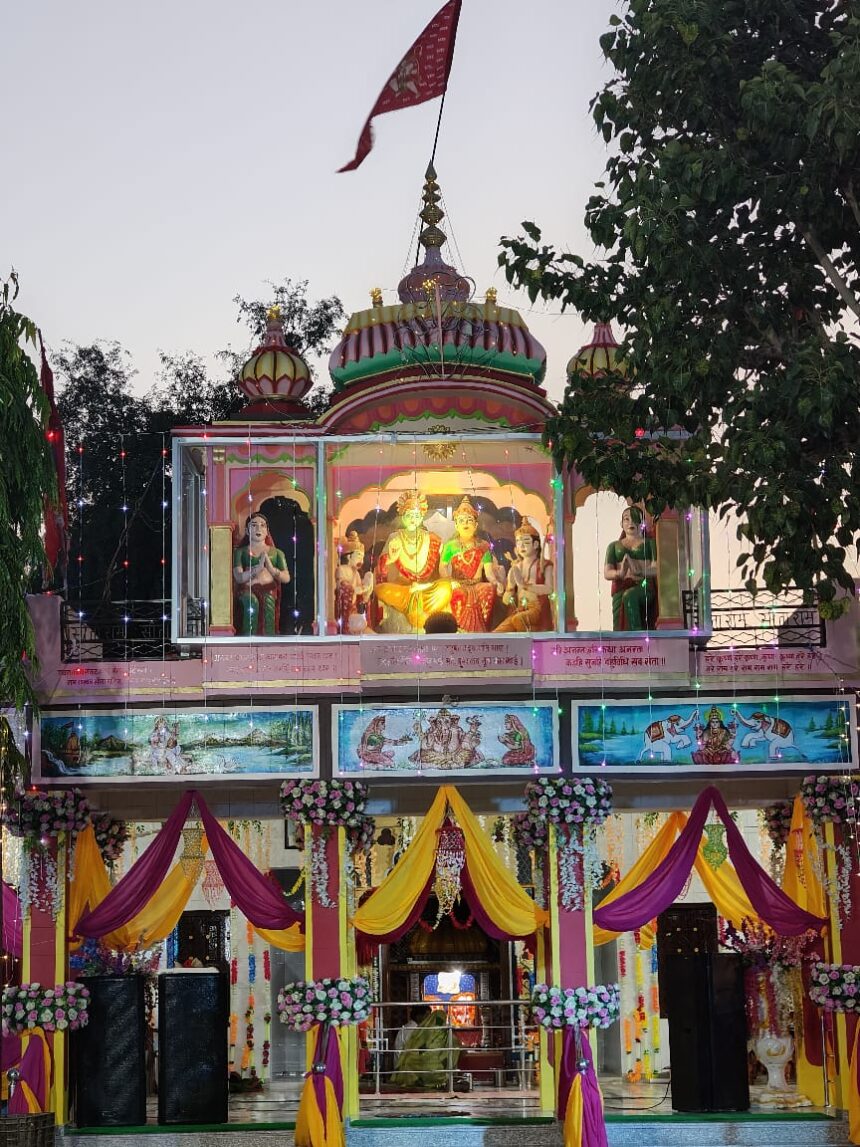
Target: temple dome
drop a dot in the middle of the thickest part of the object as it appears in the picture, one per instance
(275, 378)
(599, 356)
(438, 329)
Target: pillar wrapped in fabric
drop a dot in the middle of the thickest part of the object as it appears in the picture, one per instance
(704, 994)
(192, 1046)
(108, 1056)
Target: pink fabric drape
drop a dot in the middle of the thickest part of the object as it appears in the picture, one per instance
(12, 923)
(654, 895)
(259, 900)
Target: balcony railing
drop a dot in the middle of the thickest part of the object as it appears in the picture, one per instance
(131, 630)
(746, 621)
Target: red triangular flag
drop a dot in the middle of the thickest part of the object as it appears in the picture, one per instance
(421, 75)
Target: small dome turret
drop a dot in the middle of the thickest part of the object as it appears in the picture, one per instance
(599, 356)
(275, 378)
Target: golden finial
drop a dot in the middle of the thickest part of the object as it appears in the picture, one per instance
(376, 296)
(492, 295)
(273, 314)
(431, 213)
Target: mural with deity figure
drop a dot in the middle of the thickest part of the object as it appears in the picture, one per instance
(135, 744)
(497, 737)
(740, 733)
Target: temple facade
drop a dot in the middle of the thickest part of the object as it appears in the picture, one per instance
(403, 592)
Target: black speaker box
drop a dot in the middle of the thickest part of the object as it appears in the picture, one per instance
(193, 1013)
(108, 1056)
(704, 997)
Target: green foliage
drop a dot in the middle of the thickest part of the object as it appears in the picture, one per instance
(101, 411)
(730, 227)
(26, 478)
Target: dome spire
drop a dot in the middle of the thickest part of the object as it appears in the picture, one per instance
(433, 273)
(431, 213)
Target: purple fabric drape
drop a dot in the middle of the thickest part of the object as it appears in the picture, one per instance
(593, 1125)
(259, 901)
(255, 896)
(10, 1052)
(327, 1050)
(12, 923)
(141, 882)
(34, 1074)
(654, 895)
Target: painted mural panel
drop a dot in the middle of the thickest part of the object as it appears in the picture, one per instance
(738, 734)
(137, 744)
(496, 737)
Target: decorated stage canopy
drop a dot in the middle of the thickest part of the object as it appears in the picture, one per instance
(500, 906)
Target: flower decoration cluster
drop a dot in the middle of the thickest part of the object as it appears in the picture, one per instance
(835, 987)
(777, 821)
(597, 1007)
(360, 837)
(530, 832)
(38, 815)
(111, 836)
(569, 802)
(54, 1009)
(339, 1002)
(327, 804)
(835, 799)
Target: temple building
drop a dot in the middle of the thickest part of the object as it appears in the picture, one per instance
(423, 711)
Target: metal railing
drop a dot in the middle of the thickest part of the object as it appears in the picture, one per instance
(497, 1048)
(133, 630)
(746, 621)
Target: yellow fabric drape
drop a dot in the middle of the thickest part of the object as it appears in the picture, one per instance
(504, 901)
(289, 939)
(315, 1128)
(800, 880)
(651, 858)
(725, 890)
(388, 908)
(502, 898)
(155, 921)
(572, 1131)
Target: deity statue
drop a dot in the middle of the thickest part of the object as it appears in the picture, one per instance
(259, 571)
(407, 573)
(529, 585)
(631, 566)
(715, 741)
(469, 561)
(352, 590)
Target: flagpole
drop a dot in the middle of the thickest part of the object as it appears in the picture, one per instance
(438, 125)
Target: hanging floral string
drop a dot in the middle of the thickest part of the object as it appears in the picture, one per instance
(326, 805)
(450, 861)
(576, 807)
(771, 973)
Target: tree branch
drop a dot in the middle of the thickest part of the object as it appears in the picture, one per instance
(848, 192)
(836, 280)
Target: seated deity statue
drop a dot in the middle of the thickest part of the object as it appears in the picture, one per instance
(259, 571)
(407, 581)
(529, 585)
(477, 579)
(352, 588)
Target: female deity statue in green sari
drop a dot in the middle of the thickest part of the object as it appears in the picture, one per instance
(259, 571)
(631, 566)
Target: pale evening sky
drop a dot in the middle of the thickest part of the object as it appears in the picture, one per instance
(160, 158)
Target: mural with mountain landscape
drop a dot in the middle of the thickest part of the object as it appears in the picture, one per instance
(134, 744)
(739, 733)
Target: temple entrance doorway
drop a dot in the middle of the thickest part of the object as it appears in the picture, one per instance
(451, 1033)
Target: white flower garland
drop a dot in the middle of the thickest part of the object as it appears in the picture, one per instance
(319, 870)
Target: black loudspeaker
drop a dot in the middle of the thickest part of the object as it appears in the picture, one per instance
(192, 1046)
(684, 930)
(707, 1032)
(108, 1056)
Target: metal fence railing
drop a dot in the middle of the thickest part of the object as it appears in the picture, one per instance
(467, 1044)
(745, 620)
(133, 630)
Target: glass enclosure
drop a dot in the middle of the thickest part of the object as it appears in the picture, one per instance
(396, 535)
